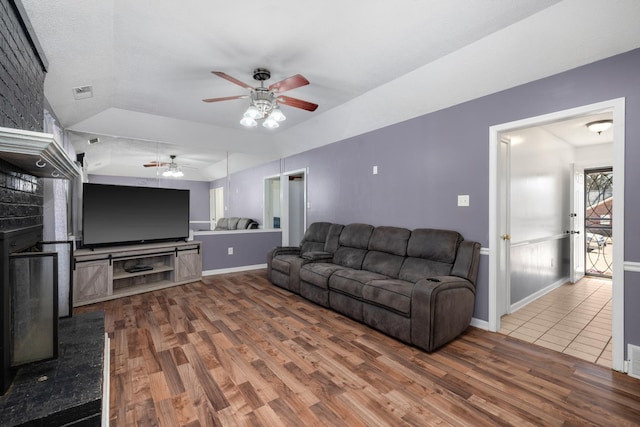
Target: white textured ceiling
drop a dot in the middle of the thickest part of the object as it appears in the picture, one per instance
(371, 63)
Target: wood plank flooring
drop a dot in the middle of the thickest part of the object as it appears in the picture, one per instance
(234, 350)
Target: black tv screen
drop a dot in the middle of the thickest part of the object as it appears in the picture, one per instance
(118, 214)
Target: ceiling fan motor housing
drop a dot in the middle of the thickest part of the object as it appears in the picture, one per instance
(261, 74)
(263, 99)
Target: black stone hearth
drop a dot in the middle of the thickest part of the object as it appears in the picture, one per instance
(72, 392)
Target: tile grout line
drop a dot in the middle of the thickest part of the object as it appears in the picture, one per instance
(590, 294)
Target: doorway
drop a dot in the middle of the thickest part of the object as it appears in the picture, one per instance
(499, 246)
(285, 202)
(598, 195)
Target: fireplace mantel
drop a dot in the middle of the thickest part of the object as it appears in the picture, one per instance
(36, 153)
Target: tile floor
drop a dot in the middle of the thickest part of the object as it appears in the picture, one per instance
(573, 319)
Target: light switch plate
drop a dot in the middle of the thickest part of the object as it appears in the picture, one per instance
(463, 200)
(375, 170)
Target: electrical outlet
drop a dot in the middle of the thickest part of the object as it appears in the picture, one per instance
(230, 251)
(463, 200)
(375, 170)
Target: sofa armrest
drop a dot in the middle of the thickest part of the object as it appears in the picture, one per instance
(280, 250)
(317, 256)
(441, 309)
(467, 260)
(285, 250)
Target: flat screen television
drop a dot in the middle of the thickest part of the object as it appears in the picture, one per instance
(119, 214)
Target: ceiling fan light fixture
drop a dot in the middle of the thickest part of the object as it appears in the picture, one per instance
(277, 115)
(248, 122)
(599, 126)
(270, 123)
(173, 173)
(252, 113)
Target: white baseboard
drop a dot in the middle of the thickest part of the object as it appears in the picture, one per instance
(536, 295)
(481, 324)
(233, 269)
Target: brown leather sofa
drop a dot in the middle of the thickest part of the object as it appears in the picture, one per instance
(415, 285)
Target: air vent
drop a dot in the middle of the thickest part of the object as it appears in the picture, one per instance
(93, 141)
(83, 92)
(633, 351)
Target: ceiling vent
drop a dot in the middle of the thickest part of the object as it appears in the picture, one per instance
(93, 141)
(83, 92)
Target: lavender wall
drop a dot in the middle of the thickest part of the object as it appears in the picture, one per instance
(199, 191)
(424, 163)
(246, 188)
(249, 248)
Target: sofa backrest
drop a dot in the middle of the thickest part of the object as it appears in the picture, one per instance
(315, 237)
(222, 224)
(387, 250)
(353, 245)
(246, 224)
(333, 238)
(430, 253)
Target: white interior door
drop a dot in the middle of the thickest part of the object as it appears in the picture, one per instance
(504, 271)
(576, 238)
(271, 203)
(296, 210)
(216, 205)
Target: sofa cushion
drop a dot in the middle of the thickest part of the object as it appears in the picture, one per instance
(351, 282)
(392, 240)
(244, 223)
(333, 238)
(415, 269)
(353, 244)
(430, 253)
(435, 245)
(222, 224)
(314, 237)
(318, 273)
(283, 262)
(394, 295)
(233, 223)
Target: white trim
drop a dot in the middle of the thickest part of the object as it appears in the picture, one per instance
(618, 107)
(484, 251)
(632, 266)
(106, 381)
(540, 240)
(233, 269)
(534, 296)
(481, 324)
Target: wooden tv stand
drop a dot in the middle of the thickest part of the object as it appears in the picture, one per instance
(106, 273)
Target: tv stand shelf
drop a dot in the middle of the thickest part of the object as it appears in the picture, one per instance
(101, 274)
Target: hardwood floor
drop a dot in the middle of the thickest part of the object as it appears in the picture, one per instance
(235, 350)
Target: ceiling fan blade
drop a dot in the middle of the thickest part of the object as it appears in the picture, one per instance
(289, 83)
(155, 164)
(225, 98)
(231, 79)
(297, 103)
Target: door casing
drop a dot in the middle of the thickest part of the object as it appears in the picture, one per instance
(496, 213)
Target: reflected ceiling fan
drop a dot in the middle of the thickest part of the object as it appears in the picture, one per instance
(173, 170)
(264, 101)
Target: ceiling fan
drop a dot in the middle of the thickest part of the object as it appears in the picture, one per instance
(172, 167)
(264, 101)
